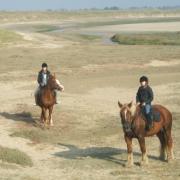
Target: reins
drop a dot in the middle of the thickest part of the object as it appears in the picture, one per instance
(132, 125)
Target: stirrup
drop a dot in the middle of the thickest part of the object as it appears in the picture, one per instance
(149, 127)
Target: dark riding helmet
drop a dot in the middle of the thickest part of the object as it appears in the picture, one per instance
(44, 65)
(143, 78)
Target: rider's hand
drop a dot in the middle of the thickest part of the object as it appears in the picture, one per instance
(143, 104)
(42, 84)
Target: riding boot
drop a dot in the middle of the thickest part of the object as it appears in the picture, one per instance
(37, 95)
(36, 99)
(149, 121)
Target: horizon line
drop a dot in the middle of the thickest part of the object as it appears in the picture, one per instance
(108, 8)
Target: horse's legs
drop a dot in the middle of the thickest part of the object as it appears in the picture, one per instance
(42, 116)
(169, 141)
(50, 116)
(161, 136)
(130, 160)
(142, 144)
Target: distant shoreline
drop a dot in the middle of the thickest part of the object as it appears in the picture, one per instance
(113, 8)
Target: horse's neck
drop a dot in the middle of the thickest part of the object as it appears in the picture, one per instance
(48, 89)
(137, 118)
(47, 96)
(137, 113)
(138, 109)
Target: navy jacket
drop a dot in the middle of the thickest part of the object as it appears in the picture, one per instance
(144, 95)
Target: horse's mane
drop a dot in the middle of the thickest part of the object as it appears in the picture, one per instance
(50, 78)
(134, 109)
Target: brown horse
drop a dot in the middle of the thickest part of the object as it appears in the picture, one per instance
(46, 99)
(134, 124)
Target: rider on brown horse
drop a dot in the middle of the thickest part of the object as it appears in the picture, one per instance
(42, 80)
(144, 98)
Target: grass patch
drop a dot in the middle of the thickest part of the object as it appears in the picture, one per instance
(76, 37)
(15, 156)
(45, 28)
(167, 38)
(8, 37)
(89, 37)
(34, 134)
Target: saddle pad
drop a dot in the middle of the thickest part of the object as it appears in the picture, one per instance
(156, 116)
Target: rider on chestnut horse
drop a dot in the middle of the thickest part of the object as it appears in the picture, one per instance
(144, 98)
(42, 80)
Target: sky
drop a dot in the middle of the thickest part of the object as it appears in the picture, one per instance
(80, 4)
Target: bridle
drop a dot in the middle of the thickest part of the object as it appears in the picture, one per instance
(128, 126)
(49, 84)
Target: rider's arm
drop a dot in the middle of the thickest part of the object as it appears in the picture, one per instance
(39, 78)
(151, 95)
(137, 97)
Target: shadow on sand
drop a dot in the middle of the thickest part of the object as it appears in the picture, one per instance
(103, 153)
(23, 117)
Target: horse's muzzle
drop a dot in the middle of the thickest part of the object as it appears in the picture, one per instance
(127, 127)
(60, 88)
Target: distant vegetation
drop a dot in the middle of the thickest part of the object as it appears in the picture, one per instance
(166, 38)
(14, 156)
(143, 8)
(112, 8)
(57, 15)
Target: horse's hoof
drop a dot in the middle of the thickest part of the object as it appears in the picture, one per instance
(43, 126)
(129, 165)
(144, 163)
(170, 160)
(51, 125)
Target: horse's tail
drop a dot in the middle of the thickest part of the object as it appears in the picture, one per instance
(168, 142)
(163, 140)
(167, 138)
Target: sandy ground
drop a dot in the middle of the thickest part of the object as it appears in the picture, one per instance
(90, 143)
(144, 27)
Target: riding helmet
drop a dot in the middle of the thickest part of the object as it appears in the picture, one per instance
(143, 78)
(44, 65)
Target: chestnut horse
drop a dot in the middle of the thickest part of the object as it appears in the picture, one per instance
(46, 99)
(134, 124)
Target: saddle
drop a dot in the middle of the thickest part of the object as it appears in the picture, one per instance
(155, 115)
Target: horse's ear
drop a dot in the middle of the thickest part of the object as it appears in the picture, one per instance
(130, 104)
(120, 105)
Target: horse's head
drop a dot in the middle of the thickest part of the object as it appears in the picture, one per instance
(127, 112)
(54, 83)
